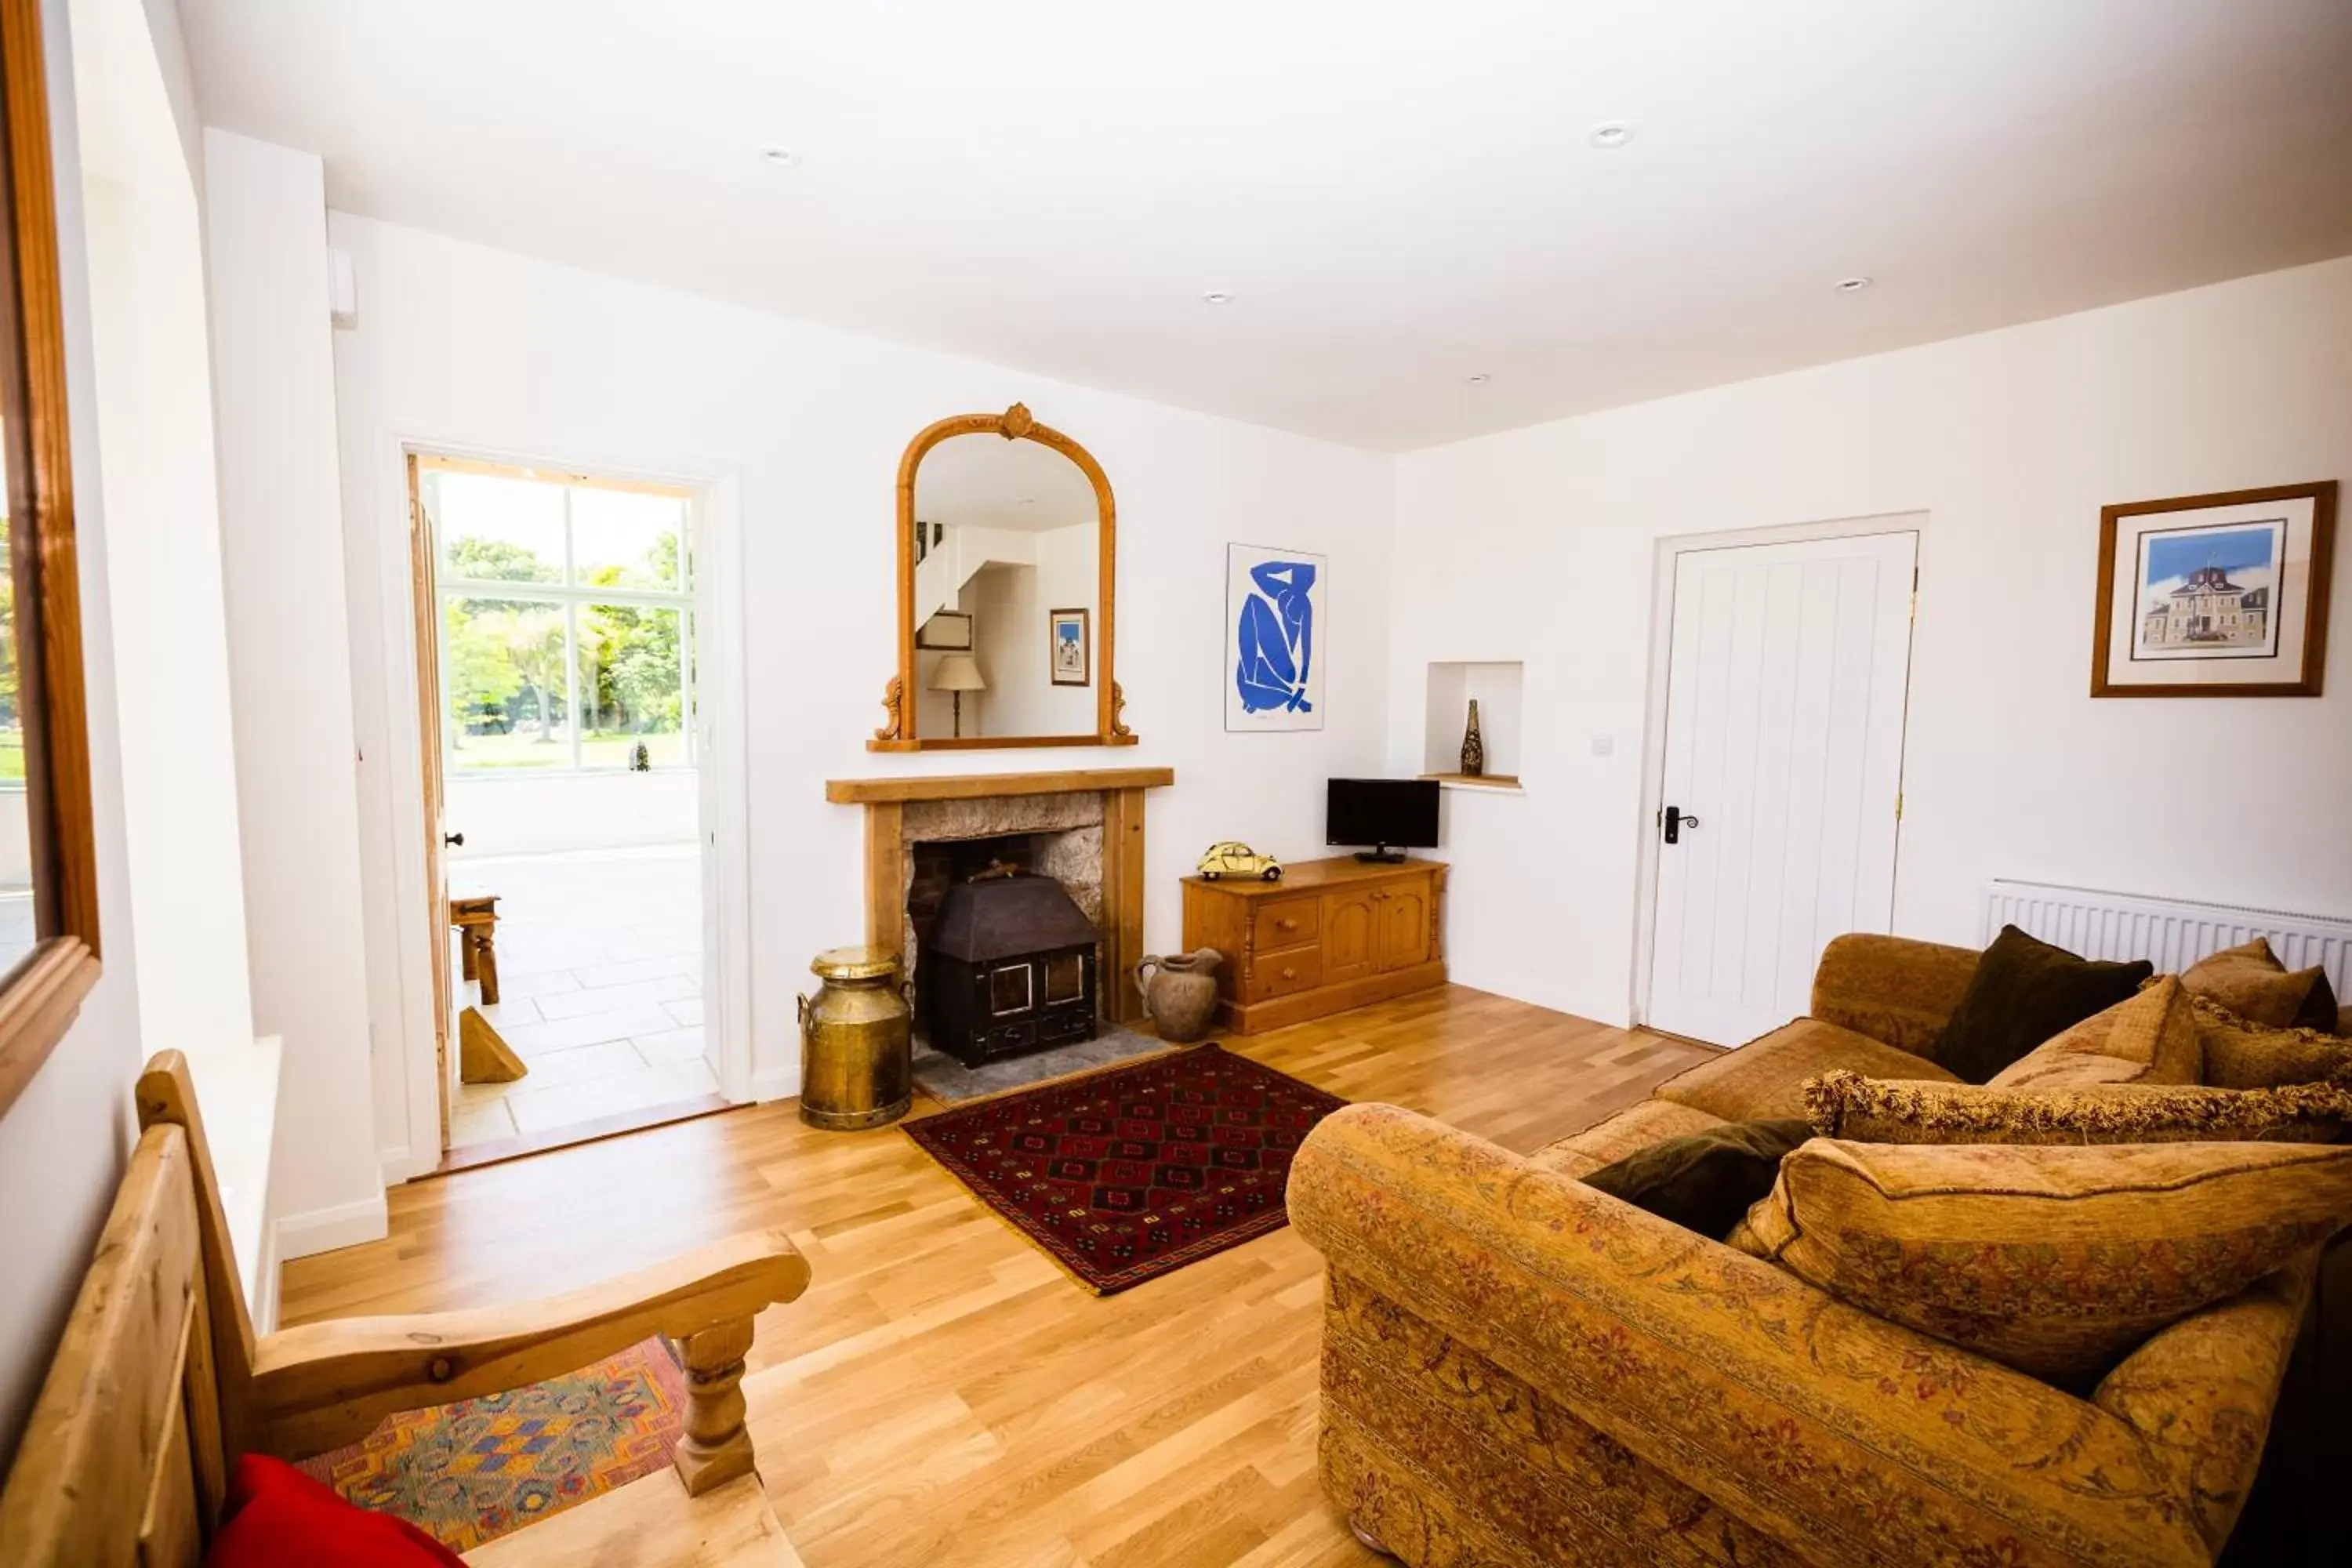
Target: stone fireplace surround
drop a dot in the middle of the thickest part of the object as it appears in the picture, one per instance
(1089, 828)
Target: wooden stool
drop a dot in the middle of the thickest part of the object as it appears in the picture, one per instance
(476, 919)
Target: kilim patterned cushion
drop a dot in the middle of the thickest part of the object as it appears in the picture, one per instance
(470, 1472)
(1128, 1175)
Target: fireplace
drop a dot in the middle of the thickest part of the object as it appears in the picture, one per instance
(1008, 966)
(1086, 828)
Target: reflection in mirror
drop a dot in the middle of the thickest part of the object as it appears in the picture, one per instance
(1007, 549)
(17, 920)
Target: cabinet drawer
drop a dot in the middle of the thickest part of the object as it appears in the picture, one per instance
(1277, 975)
(1282, 922)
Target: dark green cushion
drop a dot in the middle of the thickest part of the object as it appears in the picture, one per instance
(2025, 992)
(2319, 1010)
(1706, 1181)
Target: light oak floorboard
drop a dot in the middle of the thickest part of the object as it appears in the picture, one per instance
(943, 1394)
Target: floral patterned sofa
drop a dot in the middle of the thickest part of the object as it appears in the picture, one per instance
(1518, 1369)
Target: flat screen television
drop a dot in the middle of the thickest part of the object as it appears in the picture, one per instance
(1389, 815)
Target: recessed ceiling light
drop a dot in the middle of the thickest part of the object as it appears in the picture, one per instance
(1218, 296)
(1852, 285)
(780, 157)
(1612, 133)
(1481, 379)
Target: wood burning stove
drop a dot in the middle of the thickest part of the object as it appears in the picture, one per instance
(1008, 967)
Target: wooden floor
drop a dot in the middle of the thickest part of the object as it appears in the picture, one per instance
(943, 1395)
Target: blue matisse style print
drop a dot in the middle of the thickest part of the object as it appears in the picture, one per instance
(1276, 634)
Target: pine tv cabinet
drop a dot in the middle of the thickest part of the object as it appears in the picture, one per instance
(1331, 935)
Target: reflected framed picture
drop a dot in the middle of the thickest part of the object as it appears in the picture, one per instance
(2215, 596)
(950, 630)
(1068, 660)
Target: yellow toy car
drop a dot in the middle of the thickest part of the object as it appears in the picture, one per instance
(1231, 857)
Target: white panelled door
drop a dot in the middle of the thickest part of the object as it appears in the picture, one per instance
(1783, 773)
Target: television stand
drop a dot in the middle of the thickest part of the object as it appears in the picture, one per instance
(1380, 854)
(1331, 935)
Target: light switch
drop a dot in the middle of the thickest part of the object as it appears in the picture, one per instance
(1603, 745)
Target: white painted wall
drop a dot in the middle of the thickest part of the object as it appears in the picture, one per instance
(63, 1143)
(505, 814)
(290, 666)
(1538, 545)
(475, 348)
(155, 391)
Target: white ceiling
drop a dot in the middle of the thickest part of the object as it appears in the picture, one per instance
(987, 482)
(1398, 195)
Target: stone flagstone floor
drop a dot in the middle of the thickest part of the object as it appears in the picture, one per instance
(600, 988)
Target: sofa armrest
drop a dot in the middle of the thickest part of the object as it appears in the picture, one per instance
(1807, 1419)
(1898, 991)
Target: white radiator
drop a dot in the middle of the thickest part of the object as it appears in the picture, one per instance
(2171, 933)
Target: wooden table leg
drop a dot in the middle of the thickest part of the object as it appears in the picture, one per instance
(483, 947)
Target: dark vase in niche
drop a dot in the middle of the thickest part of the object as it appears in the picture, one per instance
(1474, 746)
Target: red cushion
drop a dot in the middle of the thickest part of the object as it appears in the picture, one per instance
(276, 1516)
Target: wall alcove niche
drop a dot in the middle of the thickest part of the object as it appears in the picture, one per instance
(1007, 569)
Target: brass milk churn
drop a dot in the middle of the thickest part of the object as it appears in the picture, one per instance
(857, 1044)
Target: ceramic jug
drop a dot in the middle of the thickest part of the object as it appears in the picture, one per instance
(1181, 999)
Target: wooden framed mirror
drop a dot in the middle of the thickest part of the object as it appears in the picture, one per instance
(1007, 565)
(48, 865)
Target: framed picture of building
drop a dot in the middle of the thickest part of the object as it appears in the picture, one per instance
(2217, 595)
(1066, 648)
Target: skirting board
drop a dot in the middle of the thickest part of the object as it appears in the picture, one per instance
(782, 1084)
(323, 1230)
(395, 1165)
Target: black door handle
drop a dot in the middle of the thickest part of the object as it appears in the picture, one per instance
(457, 839)
(1675, 821)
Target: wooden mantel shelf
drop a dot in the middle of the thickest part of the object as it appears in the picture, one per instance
(972, 786)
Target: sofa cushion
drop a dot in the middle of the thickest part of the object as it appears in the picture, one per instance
(2149, 1038)
(1703, 1181)
(2022, 993)
(2054, 1261)
(1611, 1138)
(2240, 1054)
(1844, 1104)
(1764, 1080)
(1897, 989)
(2251, 982)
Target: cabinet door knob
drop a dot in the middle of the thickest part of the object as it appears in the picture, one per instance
(1285, 925)
(1290, 974)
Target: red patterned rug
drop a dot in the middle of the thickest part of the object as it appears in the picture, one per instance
(472, 1471)
(1128, 1175)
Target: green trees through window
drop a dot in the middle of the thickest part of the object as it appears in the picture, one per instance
(566, 623)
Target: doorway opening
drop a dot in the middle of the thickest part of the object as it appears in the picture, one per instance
(556, 644)
(1780, 689)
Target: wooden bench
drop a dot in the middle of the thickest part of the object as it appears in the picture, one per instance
(159, 1384)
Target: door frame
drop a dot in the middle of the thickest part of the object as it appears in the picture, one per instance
(1662, 572)
(722, 794)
